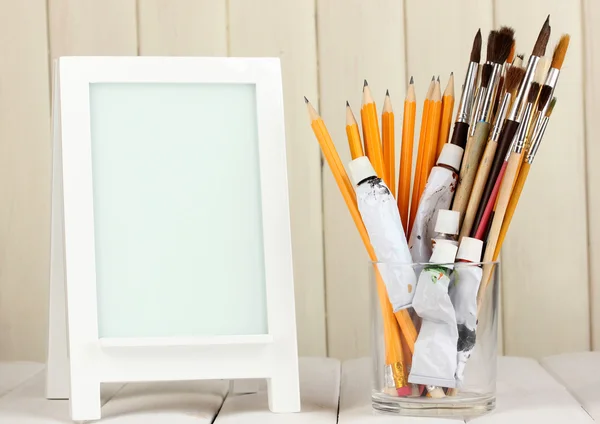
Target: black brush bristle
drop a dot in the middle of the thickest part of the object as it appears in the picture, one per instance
(542, 41)
(491, 44)
(476, 50)
(486, 73)
(545, 94)
(504, 42)
(534, 90)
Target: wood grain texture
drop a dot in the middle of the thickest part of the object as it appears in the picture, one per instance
(544, 258)
(573, 370)
(87, 27)
(526, 393)
(356, 40)
(182, 28)
(286, 29)
(25, 169)
(319, 394)
(591, 36)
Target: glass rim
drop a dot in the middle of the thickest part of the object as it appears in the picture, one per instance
(423, 264)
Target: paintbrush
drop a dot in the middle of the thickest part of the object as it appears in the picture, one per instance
(512, 160)
(513, 120)
(465, 106)
(498, 52)
(514, 76)
(512, 205)
(558, 57)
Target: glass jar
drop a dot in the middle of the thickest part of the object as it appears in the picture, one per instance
(474, 371)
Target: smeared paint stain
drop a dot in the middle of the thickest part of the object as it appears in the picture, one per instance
(466, 338)
(410, 288)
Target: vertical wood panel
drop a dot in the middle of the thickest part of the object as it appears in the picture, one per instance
(286, 29)
(545, 267)
(356, 40)
(88, 27)
(591, 34)
(25, 165)
(182, 27)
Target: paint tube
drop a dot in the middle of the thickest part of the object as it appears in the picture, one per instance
(446, 227)
(434, 359)
(381, 217)
(463, 293)
(437, 195)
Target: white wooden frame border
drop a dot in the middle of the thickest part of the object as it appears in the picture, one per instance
(92, 361)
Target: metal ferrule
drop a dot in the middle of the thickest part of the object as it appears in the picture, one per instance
(490, 95)
(535, 145)
(500, 117)
(522, 132)
(516, 111)
(552, 77)
(475, 112)
(466, 98)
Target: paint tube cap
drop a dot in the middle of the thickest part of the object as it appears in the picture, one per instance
(470, 249)
(361, 169)
(451, 155)
(443, 253)
(447, 222)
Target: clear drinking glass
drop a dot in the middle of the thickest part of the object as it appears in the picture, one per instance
(476, 395)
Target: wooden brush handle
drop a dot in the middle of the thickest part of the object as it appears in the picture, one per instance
(512, 205)
(477, 190)
(468, 169)
(501, 207)
(504, 141)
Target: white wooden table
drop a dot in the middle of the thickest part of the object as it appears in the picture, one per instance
(560, 389)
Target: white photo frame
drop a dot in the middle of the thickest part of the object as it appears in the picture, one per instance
(126, 357)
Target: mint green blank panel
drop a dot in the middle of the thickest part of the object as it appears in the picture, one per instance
(177, 210)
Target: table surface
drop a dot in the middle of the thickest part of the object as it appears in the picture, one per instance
(559, 389)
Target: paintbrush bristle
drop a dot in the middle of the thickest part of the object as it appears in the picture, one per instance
(491, 44)
(514, 76)
(503, 44)
(518, 61)
(540, 71)
(486, 73)
(534, 90)
(551, 107)
(511, 55)
(539, 49)
(476, 50)
(560, 51)
(545, 94)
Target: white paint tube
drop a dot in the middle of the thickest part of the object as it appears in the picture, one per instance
(463, 293)
(434, 358)
(380, 214)
(437, 195)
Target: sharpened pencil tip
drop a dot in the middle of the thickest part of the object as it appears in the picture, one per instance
(451, 74)
(365, 84)
(412, 80)
(387, 93)
(347, 104)
(433, 78)
(438, 78)
(305, 99)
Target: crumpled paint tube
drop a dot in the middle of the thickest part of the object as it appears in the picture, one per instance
(463, 293)
(434, 359)
(380, 214)
(437, 195)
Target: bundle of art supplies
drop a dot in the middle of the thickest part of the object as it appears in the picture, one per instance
(466, 187)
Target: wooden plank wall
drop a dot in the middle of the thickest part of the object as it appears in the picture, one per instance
(551, 288)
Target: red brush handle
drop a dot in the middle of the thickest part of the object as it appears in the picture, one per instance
(490, 204)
